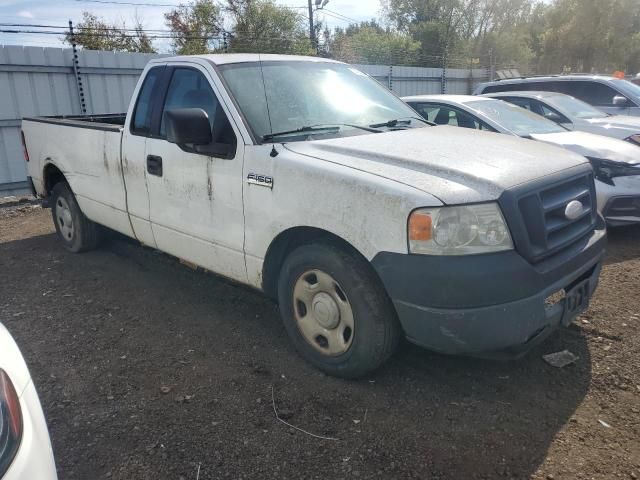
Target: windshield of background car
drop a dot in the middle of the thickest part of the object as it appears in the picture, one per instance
(576, 108)
(296, 94)
(516, 119)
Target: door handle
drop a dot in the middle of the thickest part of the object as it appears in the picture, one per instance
(154, 165)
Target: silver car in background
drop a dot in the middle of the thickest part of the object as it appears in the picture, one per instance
(609, 94)
(575, 114)
(616, 163)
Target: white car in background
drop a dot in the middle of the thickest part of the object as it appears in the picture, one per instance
(575, 114)
(25, 447)
(616, 163)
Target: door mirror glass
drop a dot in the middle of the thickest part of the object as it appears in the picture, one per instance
(620, 101)
(188, 126)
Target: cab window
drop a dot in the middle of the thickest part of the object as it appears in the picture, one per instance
(189, 88)
(141, 123)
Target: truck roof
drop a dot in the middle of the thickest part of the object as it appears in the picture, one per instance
(226, 58)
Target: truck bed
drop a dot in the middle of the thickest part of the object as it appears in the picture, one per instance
(110, 121)
(86, 150)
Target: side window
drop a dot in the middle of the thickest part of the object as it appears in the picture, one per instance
(141, 124)
(189, 88)
(549, 113)
(594, 93)
(452, 116)
(464, 120)
(426, 110)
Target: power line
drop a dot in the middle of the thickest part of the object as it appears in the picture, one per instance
(340, 15)
(337, 18)
(111, 2)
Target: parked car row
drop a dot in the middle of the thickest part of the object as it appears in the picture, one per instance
(609, 94)
(610, 142)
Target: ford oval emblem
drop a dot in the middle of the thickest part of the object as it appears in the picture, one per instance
(573, 210)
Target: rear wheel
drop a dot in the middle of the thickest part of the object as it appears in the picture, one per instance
(77, 232)
(336, 311)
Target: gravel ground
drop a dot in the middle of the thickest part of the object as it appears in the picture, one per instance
(149, 370)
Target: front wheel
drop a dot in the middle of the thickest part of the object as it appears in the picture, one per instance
(77, 232)
(336, 310)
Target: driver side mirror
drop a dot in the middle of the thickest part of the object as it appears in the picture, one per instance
(620, 101)
(188, 126)
(554, 117)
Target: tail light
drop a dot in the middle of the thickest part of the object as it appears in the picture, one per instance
(24, 146)
(10, 422)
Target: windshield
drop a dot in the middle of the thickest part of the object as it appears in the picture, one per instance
(308, 94)
(516, 119)
(575, 108)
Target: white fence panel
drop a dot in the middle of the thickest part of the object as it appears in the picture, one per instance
(40, 81)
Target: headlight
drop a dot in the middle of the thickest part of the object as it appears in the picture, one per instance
(465, 230)
(634, 139)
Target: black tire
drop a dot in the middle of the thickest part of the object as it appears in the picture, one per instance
(376, 331)
(84, 234)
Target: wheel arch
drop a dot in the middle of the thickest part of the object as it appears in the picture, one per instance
(52, 175)
(287, 241)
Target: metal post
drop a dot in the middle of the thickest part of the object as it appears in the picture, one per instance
(443, 86)
(492, 67)
(225, 42)
(391, 77)
(76, 70)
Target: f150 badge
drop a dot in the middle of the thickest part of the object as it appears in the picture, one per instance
(261, 180)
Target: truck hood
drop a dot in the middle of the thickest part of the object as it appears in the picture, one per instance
(596, 146)
(456, 165)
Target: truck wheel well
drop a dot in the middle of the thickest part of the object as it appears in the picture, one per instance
(288, 241)
(52, 175)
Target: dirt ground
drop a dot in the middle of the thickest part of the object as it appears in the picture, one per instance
(149, 370)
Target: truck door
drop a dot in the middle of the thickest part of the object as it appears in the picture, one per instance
(134, 143)
(195, 200)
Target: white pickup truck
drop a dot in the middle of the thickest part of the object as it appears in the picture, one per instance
(306, 179)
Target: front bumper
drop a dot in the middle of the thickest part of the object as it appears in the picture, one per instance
(620, 203)
(494, 303)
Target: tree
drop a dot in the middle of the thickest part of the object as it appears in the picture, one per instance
(195, 28)
(591, 35)
(94, 33)
(262, 26)
(368, 42)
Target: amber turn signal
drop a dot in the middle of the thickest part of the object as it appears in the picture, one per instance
(420, 226)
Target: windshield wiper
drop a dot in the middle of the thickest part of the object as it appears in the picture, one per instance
(331, 127)
(400, 121)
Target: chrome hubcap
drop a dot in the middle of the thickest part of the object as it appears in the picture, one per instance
(64, 218)
(323, 313)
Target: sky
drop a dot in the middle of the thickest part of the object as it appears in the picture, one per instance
(59, 12)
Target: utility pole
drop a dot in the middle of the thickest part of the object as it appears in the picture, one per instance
(312, 28)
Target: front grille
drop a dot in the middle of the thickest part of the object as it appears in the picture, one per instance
(541, 211)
